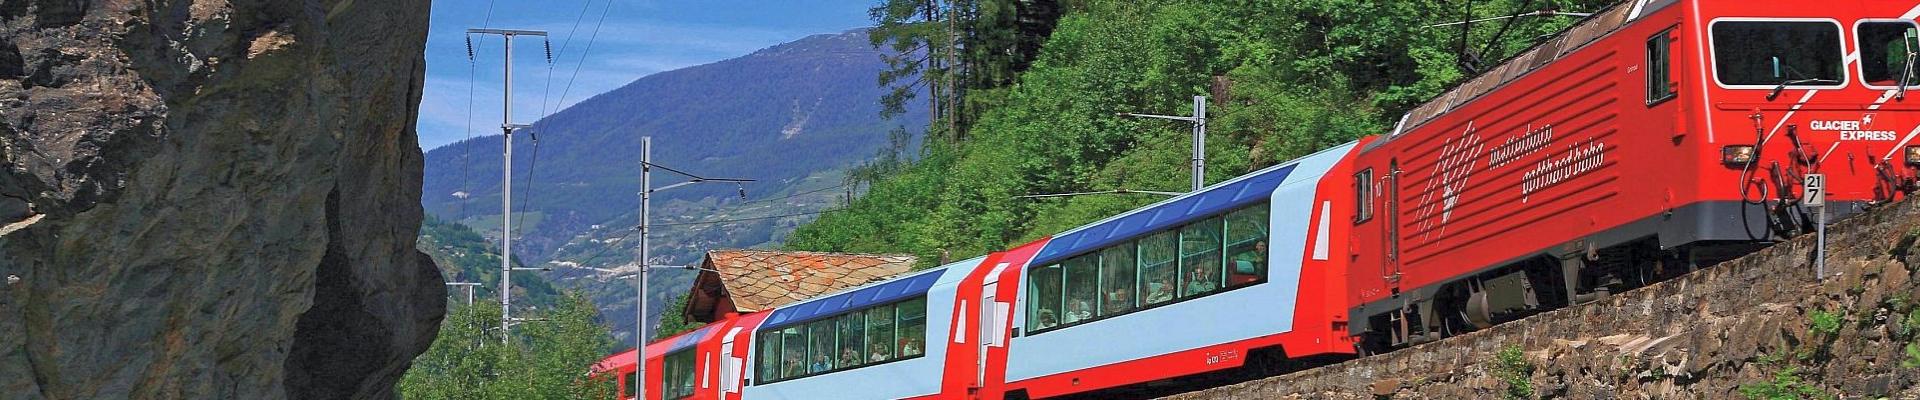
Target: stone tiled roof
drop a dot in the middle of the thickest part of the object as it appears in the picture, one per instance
(758, 279)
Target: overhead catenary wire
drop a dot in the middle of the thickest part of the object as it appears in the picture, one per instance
(466, 159)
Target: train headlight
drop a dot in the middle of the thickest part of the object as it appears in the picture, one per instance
(1913, 156)
(1738, 154)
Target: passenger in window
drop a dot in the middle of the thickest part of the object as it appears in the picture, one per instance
(1119, 300)
(1160, 291)
(1201, 280)
(910, 348)
(1047, 320)
(1078, 311)
(880, 353)
(1247, 265)
(820, 364)
(795, 367)
(848, 357)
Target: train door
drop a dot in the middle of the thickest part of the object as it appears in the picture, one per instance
(731, 362)
(1390, 182)
(993, 323)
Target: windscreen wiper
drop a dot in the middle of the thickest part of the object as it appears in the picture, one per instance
(1783, 85)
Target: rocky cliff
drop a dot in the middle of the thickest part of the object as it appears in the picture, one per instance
(1758, 327)
(211, 199)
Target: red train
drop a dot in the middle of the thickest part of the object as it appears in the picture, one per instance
(1653, 138)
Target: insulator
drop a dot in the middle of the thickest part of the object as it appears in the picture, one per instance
(469, 47)
(548, 44)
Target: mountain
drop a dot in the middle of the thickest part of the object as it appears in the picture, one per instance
(794, 117)
(777, 115)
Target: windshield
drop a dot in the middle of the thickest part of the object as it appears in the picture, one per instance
(1883, 52)
(1768, 53)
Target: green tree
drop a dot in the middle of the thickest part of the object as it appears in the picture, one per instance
(547, 359)
(673, 319)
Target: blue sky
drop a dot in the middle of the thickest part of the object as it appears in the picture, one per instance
(637, 38)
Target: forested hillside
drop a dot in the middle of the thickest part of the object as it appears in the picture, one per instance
(1286, 77)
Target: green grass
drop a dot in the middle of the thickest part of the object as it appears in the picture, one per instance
(1824, 322)
(1511, 366)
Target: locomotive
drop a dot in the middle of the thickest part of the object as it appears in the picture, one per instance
(1651, 139)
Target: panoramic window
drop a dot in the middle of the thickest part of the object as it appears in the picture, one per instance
(1198, 259)
(859, 338)
(628, 390)
(1884, 46)
(1247, 246)
(677, 371)
(1659, 66)
(1117, 274)
(1770, 53)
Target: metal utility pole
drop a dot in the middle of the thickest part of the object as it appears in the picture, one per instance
(646, 199)
(1199, 120)
(506, 180)
(470, 286)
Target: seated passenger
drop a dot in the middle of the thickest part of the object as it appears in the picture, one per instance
(1201, 280)
(848, 357)
(1160, 291)
(1078, 311)
(795, 367)
(1046, 320)
(880, 353)
(1119, 300)
(820, 364)
(1247, 265)
(910, 348)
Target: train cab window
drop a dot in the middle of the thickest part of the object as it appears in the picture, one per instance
(1043, 298)
(1157, 267)
(1886, 52)
(1659, 67)
(677, 371)
(1363, 195)
(1117, 275)
(1083, 274)
(1765, 54)
(913, 327)
(1247, 246)
(853, 339)
(1200, 258)
(880, 334)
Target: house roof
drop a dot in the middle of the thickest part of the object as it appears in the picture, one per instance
(755, 280)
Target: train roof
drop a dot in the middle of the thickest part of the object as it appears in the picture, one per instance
(1233, 193)
(1574, 38)
(893, 289)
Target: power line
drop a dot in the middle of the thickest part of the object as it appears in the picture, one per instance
(466, 159)
(794, 195)
(722, 221)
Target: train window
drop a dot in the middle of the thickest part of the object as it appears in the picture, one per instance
(1247, 246)
(793, 348)
(1885, 47)
(631, 386)
(1363, 196)
(1157, 267)
(1659, 67)
(677, 372)
(769, 360)
(853, 338)
(880, 334)
(1766, 54)
(820, 350)
(1083, 274)
(1200, 258)
(913, 327)
(1043, 298)
(1117, 275)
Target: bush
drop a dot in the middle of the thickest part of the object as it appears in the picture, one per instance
(1511, 366)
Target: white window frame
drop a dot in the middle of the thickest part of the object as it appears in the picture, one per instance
(1859, 61)
(1846, 74)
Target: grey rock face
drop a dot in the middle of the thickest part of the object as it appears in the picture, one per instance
(211, 199)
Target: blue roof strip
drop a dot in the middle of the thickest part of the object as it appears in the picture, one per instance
(1219, 199)
(857, 299)
(690, 339)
